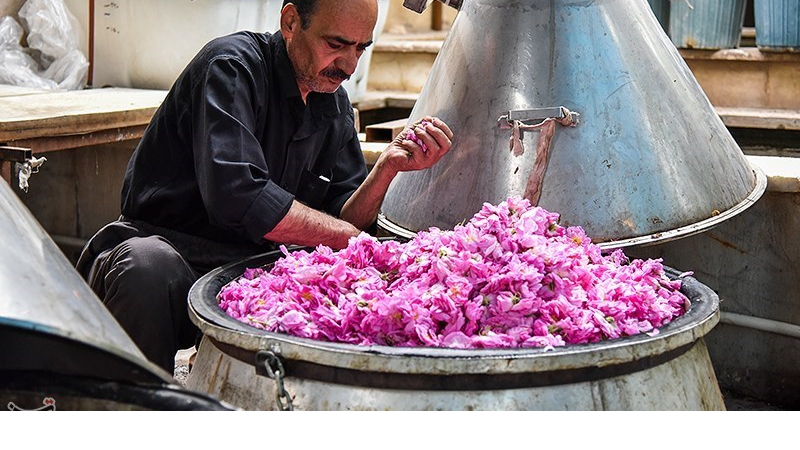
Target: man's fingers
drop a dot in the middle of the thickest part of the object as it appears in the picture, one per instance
(423, 133)
(442, 126)
(440, 135)
(412, 148)
(438, 123)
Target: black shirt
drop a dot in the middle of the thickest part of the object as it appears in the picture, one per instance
(233, 144)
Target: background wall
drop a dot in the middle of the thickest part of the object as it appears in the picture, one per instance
(10, 7)
(80, 9)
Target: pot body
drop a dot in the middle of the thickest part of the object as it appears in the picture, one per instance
(631, 373)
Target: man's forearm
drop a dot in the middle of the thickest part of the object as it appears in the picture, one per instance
(306, 226)
(362, 208)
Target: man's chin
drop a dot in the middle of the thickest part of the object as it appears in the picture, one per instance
(328, 87)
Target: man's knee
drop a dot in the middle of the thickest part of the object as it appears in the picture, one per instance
(148, 260)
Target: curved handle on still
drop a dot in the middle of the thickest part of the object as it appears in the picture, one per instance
(547, 118)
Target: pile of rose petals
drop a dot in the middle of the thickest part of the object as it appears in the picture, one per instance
(510, 277)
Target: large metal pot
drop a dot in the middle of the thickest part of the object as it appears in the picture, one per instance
(670, 370)
(648, 161)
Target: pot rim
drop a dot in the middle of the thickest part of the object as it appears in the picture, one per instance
(676, 337)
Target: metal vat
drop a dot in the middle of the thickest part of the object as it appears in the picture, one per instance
(669, 371)
(648, 161)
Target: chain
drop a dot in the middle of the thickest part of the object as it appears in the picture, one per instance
(273, 368)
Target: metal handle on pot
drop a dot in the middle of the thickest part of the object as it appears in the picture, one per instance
(559, 113)
(546, 118)
(269, 364)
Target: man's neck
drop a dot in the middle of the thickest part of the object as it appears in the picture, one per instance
(304, 95)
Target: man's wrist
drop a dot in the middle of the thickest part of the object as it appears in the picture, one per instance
(384, 169)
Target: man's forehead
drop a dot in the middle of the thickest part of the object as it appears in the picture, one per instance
(351, 20)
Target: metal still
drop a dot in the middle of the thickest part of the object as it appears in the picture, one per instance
(584, 106)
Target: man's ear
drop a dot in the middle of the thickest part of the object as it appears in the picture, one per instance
(290, 21)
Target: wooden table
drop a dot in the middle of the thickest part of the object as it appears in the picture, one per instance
(46, 121)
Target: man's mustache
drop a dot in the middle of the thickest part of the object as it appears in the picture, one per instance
(335, 73)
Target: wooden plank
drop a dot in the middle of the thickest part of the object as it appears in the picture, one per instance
(739, 54)
(5, 171)
(372, 150)
(768, 119)
(386, 99)
(385, 131)
(783, 174)
(76, 112)
(402, 101)
(7, 90)
(55, 143)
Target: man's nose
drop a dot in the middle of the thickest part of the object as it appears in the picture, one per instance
(349, 60)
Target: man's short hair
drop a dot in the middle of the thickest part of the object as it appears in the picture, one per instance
(305, 8)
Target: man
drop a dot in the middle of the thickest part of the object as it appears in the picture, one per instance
(254, 145)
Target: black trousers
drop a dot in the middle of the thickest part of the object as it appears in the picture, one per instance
(144, 283)
(143, 274)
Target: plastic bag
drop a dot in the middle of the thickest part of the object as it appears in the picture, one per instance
(52, 29)
(52, 61)
(10, 33)
(17, 68)
(69, 71)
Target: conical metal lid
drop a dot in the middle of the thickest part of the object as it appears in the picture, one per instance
(649, 159)
(50, 320)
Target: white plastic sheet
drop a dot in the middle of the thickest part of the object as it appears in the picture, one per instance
(52, 29)
(52, 59)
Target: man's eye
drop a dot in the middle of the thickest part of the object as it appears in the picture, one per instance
(334, 45)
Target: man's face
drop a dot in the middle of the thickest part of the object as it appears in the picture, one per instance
(326, 53)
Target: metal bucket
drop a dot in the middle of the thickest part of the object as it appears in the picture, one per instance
(649, 159)
(777, 25)
(668, 371)
(706, 24)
